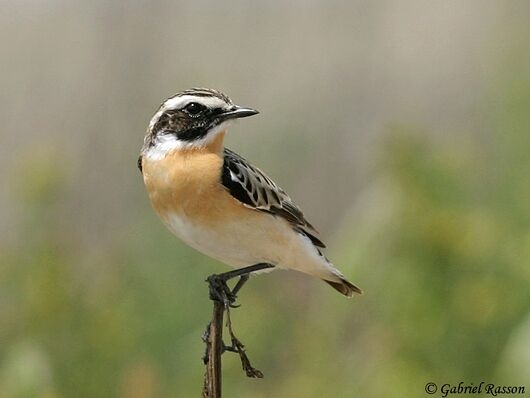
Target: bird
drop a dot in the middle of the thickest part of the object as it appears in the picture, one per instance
(219, 203)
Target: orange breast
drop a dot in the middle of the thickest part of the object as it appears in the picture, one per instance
(189, 183)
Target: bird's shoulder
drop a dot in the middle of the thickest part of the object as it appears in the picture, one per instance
(252, 187)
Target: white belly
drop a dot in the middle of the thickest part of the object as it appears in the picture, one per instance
(239, 245)
(229, 245)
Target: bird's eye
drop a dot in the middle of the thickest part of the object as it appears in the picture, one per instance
(194, 108)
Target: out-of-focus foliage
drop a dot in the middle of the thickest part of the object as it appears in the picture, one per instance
(437, 234)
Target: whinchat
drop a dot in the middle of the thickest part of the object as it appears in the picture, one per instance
(219, 203)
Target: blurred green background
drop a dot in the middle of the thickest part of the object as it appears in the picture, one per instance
(401, 128)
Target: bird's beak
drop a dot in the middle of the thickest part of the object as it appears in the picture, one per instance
(237, 112)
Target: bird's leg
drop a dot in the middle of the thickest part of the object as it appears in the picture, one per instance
(219, 290)
(242, 280)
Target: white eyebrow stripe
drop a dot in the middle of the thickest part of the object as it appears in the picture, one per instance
(182, 101)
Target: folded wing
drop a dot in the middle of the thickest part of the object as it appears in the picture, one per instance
(256, 190)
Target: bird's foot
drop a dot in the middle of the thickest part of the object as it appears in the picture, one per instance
(220, 291)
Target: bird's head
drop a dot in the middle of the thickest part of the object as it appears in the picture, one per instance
(191, 119)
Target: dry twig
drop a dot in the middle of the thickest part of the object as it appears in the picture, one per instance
(223, 299)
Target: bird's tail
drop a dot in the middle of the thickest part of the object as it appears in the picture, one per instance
(344, 286)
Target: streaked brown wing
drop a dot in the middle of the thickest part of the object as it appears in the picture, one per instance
(255, 189)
